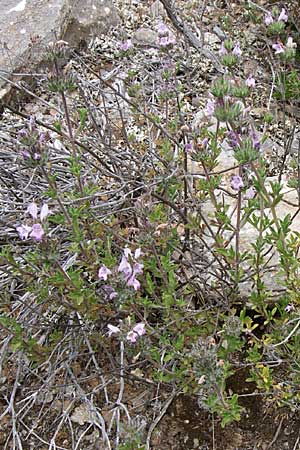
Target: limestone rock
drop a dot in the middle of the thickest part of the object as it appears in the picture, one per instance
(145, 36)
(27, 26)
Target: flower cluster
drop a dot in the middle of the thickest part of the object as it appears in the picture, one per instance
(129, 267)
(288, 48)
(165, 37)
(227, 47)
(283, 17)
(35, 230)
(132, 335)
(32, 144)
(125, 45)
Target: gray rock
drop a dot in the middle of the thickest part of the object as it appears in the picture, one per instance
(145, 36)
(27, 26)
(157, 10)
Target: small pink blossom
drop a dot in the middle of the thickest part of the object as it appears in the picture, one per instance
(124, 266)
(37, 232)
(162, 29)
(103, 273)
(127, 252)
(278, 47)
(283, 16)
(133, 282)
(32, 209)
(132, 337)
(126, 45)
(290, 43)
(23, 231)
(236, 182)
(289, 307)
(137, 253)
(109, 290)
(112, 329)
(250, 82)
(139, 328)
(164, 41)
(210, 107)
(250, 194)
(44, 212)
(237, 50)
(223, 51)
(268, 19)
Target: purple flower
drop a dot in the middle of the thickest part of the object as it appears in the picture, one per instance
(232, 138)
(210, 107)
(205, 142)
(278, 47)
(25, 154)
(125, 266)
(255, 140)
(112, 329)
(126, 45)
(250, 194)
(32, 209)
(250, 82)
(222, 51)
(164, 41)
(110, 291)
(237, 50)
(289, 307)
(137, 253)
(139, 328)
(132, 336)
(237, 182)
(23, 231)
(44, 212)
(268, 19)
(283, 16)
(162, 29)
(189, 147)
(103, 272)
(133, 282)
(290, 43)
(37, 232)
(127, 252)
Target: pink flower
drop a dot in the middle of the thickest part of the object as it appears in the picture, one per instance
(124, 266)
(110, 291)
(162, 29)
(237, 182)
(282, 16)
(250, 193)
(133, 282)
(32, 209)
(289, 307)
(127, 252)
(278, 47)
(250, 82)
(138, 268)
(132, 336)
(222, 51)
(137, 253)
(44, 212)
(112, 330)
(139, 328)
(103, 272)
(23, 231)
(268, 19)
(210, 107)
(237, 50)
(126, 45)
(189, 148)
(164, 41)
(290, 43)
(37, 232)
